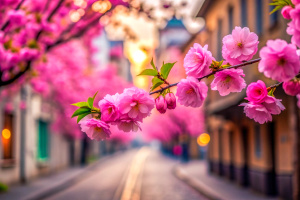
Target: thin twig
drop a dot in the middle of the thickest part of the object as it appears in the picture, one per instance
(212, 73)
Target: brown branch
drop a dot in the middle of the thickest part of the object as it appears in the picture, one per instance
(212, 73)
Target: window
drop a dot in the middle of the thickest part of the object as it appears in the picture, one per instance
(7, 137)
(43, 141)
(219, 40)
(244, 12)
(259, 16)
(257, 141)
(273, 17)
(230, 18)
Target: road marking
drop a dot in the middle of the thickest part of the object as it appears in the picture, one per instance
(131, 189)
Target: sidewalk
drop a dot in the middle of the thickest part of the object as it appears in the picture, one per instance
(45, 186)
(196, 175)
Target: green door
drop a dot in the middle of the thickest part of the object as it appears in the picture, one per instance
(43, 141)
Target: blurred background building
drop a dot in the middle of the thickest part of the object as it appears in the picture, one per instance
(257, 156)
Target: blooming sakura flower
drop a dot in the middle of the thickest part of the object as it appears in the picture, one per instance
(279, 60)
(240, 46)
(262, 112)
(273, 105)
(286, 12)
(109, 108)
(17, 17)
(293, 27)
(228, 80)
(258, 112)
(257, 92)
(197, 61)
(95, 129)
(136, 103)
(292, 87)
(29, 54)
(161, 104)
(171, 100)
(127, 124)
(191, 92)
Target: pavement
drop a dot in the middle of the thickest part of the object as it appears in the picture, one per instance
(46, 186)
(195, 174)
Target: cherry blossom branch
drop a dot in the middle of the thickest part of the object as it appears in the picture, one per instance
(279, 84)
(7, 22)
(212, 73)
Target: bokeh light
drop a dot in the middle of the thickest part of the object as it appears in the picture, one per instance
(6, 134)
(203, 139)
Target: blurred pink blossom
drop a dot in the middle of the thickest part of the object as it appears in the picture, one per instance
(286, 12)
(292, 87)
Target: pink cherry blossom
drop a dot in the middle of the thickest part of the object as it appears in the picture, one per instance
(127, 124)
(109, 108)
(17, 17)
(171, 100)
(293, 28)
(279, 60)
(95, 129)
(161, 104)
(228, 80)
(191, 92)
(257, 92)
(286, 12)
(240, 46)
(257, 112)
(292, 87)
(273, 105)
(136, 103)
(197, 61)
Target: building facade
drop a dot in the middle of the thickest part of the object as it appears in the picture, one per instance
(28, 147)
(257, 156)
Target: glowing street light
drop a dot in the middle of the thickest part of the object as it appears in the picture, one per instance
(6, 134)
(203, 139)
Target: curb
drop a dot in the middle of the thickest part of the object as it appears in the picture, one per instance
(86, 171)
(196, 184)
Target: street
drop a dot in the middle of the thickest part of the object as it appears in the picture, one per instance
(137, 174)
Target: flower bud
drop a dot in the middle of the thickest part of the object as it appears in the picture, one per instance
(286, 12)
(292, 87)
(171, 100)
(161, 104)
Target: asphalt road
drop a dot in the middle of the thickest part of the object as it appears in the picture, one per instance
(143, 174)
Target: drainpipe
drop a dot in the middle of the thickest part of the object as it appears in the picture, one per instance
(23, 138)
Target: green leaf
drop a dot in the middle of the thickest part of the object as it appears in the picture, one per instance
(91, 102)
(149, 72)
(81, 104)
(80, 117)
(165, 69)
(95, 95)
(156, 82)
(271, 92)
(152, 64)
(81, 111)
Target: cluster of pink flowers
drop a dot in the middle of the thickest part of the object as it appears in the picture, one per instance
(261, 106)
(126, 111)
(163, 103)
